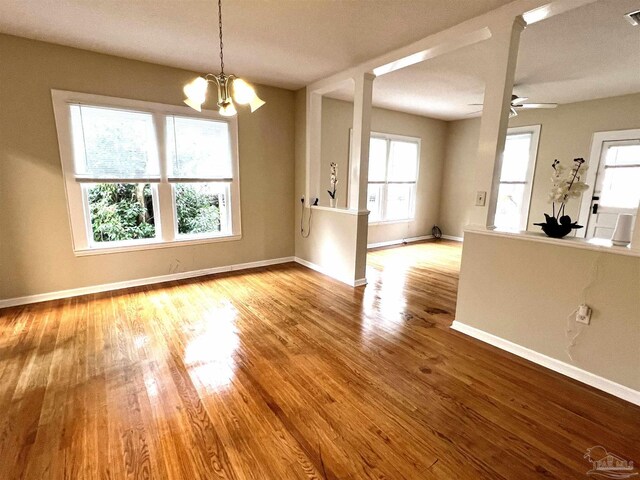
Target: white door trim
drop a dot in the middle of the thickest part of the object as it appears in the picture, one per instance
(599, 139)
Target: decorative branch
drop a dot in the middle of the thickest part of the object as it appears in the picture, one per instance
(334, 180)
(566, 186)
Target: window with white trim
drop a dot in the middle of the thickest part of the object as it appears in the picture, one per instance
(393, 174)
(516, 177)
(143, 175)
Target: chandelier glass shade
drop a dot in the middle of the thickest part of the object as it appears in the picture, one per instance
(229, 87)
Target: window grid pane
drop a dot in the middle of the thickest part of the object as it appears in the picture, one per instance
(509, 206)
(198, 148)
(623, 155)
(114, 144)
(403, 161)
(377, 159)
(620, 187)
(399, 201)
(515, 161)
(121, 211)
(202, 208)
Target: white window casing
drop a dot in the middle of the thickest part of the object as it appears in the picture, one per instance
(150, 120)
(382, 181)
(526, 182)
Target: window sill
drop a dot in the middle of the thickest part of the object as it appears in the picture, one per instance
(153, 245)
(597, 245)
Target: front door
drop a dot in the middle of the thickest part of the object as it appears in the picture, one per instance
(617, 186)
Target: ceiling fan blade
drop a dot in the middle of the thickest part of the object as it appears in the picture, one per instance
(519, 100)
(475, 104)
(537, 105)
(512, 112)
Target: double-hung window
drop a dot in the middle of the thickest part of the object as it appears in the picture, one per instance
(516, 177)
(142, 175)
(393, 174)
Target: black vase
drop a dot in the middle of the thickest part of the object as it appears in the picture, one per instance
(558, 229)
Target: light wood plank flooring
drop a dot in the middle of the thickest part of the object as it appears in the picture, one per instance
(283, 373)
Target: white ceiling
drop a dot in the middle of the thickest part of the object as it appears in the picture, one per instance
(286, 43)
(587, 53)
(590, 52)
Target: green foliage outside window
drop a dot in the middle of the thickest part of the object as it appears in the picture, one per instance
(121, 211)
(124, 211)
(198, 209)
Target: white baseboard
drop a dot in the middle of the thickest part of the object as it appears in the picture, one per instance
(451, 237)
(399, 242)
(360, 282)
(352, 283)
(570, 371)
(74, 292)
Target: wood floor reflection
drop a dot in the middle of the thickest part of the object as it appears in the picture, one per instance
(283, 373)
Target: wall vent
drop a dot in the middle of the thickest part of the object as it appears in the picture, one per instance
(633, 18)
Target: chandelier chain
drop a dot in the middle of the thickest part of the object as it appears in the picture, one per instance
(220, 28)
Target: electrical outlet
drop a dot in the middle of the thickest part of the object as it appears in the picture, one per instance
(481, 199)
(583, 314)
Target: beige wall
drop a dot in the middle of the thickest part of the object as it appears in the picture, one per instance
(35, 241)
(524, 292)
(566, 133)
(337, 118)
(458, 176)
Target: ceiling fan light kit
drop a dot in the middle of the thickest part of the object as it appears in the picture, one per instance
(229, 87)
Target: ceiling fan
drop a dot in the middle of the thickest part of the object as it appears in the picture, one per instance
(517, 103)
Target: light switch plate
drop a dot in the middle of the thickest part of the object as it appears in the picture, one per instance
(481, 198)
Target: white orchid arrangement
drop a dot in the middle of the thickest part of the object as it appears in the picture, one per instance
(567, 184)
(333, 180)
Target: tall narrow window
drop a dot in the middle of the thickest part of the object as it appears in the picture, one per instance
(393, 173)
(116, 163)
(516, 176)
(140, 174)
(200, 171)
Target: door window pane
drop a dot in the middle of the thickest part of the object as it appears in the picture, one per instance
(403, 161)
(374, 201)
(399, 201)
(509, 207)
(121, 211)
(198, 148)
(377, 159)
(623, 155)
(202, 208)
(621, 187)
(112, 143)
(515, 161)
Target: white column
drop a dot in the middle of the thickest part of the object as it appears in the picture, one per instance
(359, 161)
(505, 41)
(313, 145)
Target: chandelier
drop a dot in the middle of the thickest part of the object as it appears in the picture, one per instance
(228, 85)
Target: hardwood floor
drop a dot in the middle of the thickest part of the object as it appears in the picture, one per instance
(282, 373)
